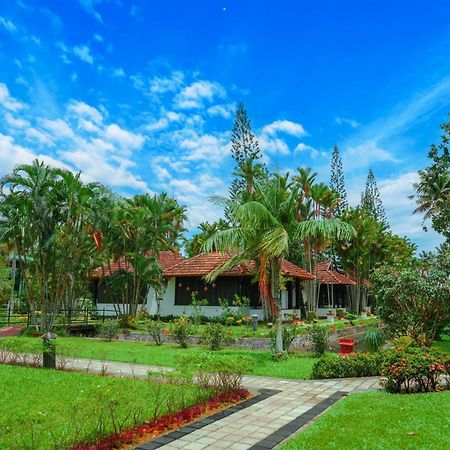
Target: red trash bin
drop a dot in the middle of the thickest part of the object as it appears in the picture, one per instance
(346, 346)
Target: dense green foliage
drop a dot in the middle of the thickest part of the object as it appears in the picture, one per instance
(378, 420)
(433, 189)
(61, 228)
(318, 337)
(88, 406)
(413, 300)
(353, 365)
(415, 369)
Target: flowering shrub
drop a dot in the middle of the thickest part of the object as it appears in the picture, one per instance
(181, 329)
(165, 423)
(157, 330)
(415, 369)
(215, 336)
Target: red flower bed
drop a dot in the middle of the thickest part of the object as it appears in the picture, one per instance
(156, 427)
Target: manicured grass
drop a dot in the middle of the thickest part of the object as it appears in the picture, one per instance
(443, 345)
(297, 366)
(47, 409)
(378, 420)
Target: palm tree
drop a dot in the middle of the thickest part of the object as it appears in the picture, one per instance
(266, 227)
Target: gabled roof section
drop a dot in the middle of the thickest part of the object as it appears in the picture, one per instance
(204, 263)
(327, 275)
(167, 259)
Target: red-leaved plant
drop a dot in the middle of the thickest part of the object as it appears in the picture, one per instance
(163, 424)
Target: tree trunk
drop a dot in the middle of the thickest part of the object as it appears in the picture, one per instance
(13, 278)
(276, 269)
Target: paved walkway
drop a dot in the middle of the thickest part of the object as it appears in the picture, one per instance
(290, 405)
(265, 424)
(10, 330)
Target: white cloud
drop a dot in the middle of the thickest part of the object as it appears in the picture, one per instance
(7, 25)
(161, 85)
(364, 155)
(12, 154)
(284, 126)
(194, 95)
(118, 73)
(159, 125)
(15, 122)
(273, 145)
(84, 110)
(97, 37)
(89, 7)
(224, 111)
(173, 116)
(301, 147)
(84, 53)
(344, 121)
(205, 147)
(7, 101)
(57, 128)
(126, 139)
(36, 135)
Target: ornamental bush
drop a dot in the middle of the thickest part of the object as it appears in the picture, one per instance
(353, 365)
(215, 335)
(415, 369)
(223, 373)
(289, 332)
(374, 338)
(318, 337)
(128, 322)
(181, 329)
(157, 330)
(109, 329)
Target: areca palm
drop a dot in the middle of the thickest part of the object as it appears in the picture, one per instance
(46, 216)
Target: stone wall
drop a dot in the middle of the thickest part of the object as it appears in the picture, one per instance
(300, 343)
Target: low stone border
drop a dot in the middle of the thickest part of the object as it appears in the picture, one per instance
(183, 431)
(299, 343)
(290, 428)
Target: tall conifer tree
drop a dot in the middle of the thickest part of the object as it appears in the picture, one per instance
(246, 153)
(371, 200)
(337, 182)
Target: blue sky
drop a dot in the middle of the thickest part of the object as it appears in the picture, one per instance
(140, 95)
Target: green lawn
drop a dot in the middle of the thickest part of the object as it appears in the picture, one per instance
(443, 345)
(378, 420)
(46, 409)
(297, 366)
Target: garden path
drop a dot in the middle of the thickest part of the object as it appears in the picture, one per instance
(10, 330)
(282, 408)
(286, 406)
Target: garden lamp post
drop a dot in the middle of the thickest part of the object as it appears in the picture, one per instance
(255, 322)
(49, 355)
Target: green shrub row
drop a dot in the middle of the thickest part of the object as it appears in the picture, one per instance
(409, 369)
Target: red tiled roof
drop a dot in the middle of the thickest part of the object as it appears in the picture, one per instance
(166, 259)
(326, 275)
(204, 263)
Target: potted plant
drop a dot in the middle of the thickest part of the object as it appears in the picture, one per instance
(364, 313)
(330, 315)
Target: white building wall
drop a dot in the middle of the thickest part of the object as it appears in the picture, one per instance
(168, 307)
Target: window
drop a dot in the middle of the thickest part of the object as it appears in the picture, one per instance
(222, 287)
